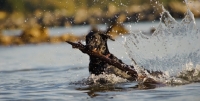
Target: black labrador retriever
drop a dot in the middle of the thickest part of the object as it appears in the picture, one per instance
(97, 41)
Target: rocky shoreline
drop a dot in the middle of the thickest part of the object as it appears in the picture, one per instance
(34, 26)
(90, 16)
(37, 35)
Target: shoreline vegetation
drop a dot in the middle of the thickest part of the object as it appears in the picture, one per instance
(34, 17)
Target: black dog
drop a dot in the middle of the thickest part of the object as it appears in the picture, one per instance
(97, 41)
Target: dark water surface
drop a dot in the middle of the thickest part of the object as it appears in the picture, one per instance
(53, 72)
(48, 72)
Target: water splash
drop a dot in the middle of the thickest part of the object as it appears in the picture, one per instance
(100, 80)
(105, 79)
(170, 48)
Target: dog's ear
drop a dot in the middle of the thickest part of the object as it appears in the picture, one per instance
(108, 37)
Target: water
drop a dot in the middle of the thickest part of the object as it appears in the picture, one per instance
(49, 72)
(172, 47)
(58, 72)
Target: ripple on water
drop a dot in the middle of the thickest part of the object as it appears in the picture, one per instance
(56, 72)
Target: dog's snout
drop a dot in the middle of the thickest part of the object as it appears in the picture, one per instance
(90, 47)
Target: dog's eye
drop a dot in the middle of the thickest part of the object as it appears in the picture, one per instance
(103, 48)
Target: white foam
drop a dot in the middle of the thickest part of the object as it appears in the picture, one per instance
(170, 48)
(105, 78)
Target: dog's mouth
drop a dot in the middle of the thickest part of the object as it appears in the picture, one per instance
(94, 49)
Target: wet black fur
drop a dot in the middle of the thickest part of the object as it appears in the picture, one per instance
(97, 40)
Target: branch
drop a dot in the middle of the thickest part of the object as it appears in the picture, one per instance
(123, 67)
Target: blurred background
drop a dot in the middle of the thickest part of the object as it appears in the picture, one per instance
(28, 21)
(53, 71)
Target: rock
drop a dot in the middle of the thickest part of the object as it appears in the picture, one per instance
(54, 39)
(194, 7)
(65, 37)
(35, 35)
(2, 15)
(5, 40)
(121, 18)
(112, 10)
(117, 29)
(69, 37)
(178, 7)
(17, 41)
(81, 16)
(134, 9)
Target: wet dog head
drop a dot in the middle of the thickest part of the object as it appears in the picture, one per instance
(97, 41)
